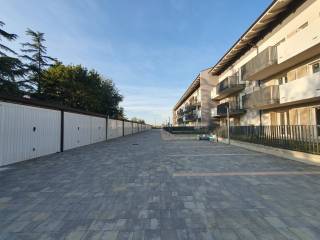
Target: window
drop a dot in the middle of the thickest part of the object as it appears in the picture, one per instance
(283, 80)
(302, 71)
(273, 118)
(316, 67)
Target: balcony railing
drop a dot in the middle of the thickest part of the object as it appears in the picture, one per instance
(180, 112)
(192, 116)
(302, 45)
(227, 87)
(190, 108)
(180, 120)
(301, 90)
(234, 109)
(258, 67)
(263, 98)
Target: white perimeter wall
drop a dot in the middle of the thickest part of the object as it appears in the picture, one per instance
(28, 132)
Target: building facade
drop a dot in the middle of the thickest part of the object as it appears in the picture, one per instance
(271, 75)
(194, 107)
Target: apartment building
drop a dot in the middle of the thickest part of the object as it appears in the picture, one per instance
(271, 75)
(193, 108)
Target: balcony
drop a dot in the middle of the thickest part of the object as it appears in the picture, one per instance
(192, 116)
(261, 66)
(180, 120)
(189, 108)
(227, 87)
(302, 45)
(234, 109)
(180, 112)
(303, 90)
(263, 98)
(195, 103)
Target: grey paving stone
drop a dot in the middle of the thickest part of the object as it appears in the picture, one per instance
(117, 190)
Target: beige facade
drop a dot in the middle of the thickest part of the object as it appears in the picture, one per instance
(194, 107)
(271, 76)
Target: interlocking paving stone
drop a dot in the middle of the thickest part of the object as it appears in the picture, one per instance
(117, 191)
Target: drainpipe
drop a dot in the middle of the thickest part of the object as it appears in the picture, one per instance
(260, 117)
(259, 85)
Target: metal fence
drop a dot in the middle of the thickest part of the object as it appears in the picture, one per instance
(303, 138)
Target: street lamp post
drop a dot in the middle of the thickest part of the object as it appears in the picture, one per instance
(228, 124)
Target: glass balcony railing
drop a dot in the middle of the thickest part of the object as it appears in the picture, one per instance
(192, 116)
(190, 108)
(258, 67)
(227, 87)
(234, 109)
(263, 98)
(180, 112)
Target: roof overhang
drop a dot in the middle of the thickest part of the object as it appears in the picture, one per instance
(277, 11)
(191, 89)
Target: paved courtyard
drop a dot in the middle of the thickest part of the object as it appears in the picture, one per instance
(145, 187)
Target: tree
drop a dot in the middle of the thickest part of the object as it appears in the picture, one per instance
(134, 119)
(7, 36)
(77, 87)
(36, 55)
(10, 67)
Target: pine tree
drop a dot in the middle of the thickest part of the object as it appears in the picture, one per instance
(10, 67)
(8, 37)
(36, 55)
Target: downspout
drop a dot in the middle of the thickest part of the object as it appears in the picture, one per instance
(259, 85)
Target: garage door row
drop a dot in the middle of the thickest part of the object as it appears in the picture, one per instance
(28, 131)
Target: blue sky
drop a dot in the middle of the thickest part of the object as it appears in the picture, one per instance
(152, 49)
